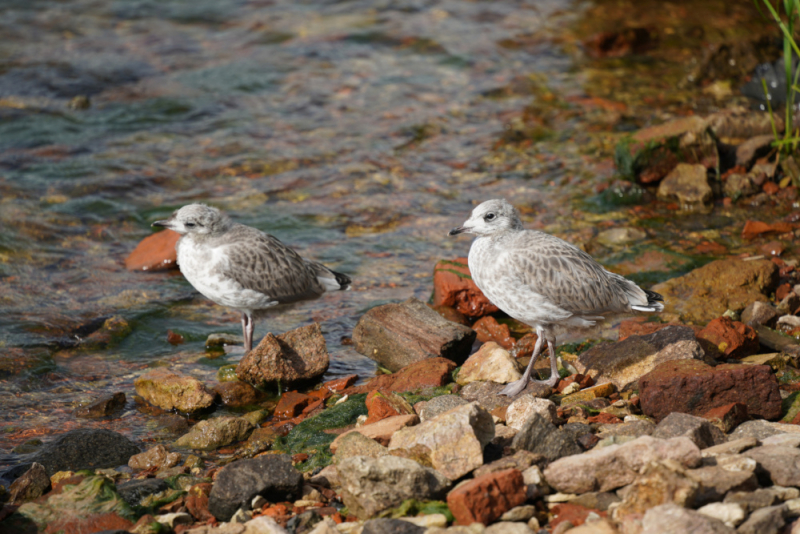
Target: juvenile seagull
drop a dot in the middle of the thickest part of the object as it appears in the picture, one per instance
(543, 281)
(243, 268)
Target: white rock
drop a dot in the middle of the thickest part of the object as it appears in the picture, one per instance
(326, 526)
(264, 525)
(173, 520)
(504, 527)
(491, 363)
(729, 513)
(521, 410)
(519, 513)
(788, 440)
(571, 388)
(736, 462)
(352, 527)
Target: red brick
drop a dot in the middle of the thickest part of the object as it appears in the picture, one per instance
(488, 329)
(453, 286)
(733, 340)
(486, 498)
(291, 404)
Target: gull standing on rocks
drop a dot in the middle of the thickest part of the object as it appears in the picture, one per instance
(543, 281)
(243, 268)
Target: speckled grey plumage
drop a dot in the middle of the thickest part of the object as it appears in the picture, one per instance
(542, 280)
(242, 267)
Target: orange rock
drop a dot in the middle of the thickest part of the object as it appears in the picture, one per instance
(382, 431)
(574, 513)
(340, 384)
(486, 498)
(754, 229)
(291, 404)
(633, 327)
(733, 339)
(431, 372)
(770, 188)
(383, 404)
(488, 329)
(154, 253)
(782, 291)
(453, 286)
(604, 418)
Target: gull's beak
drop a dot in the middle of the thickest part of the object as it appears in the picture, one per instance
(166, 223)
(459, 230)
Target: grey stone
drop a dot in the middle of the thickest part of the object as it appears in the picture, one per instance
(597, 500)
(759, 429)
(271, 476)
(440, 404)
(487, 394)
(519, 513)
(699, 430)
(85, 448)
(674, 519)
(391, 526)
(216, 432)
(134, 491)
(755, 147)
(637, 428)
(768, 520)
(760, 498)
(520, 460)
(731, 447)
(304, 522)
(371, 485)
(540, 436)
(357, 444)
(759, 313)
(611, 467)
(715, 482)
(779, 462)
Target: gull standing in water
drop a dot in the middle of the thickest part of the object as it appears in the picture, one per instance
(543, 281)
(243, 268)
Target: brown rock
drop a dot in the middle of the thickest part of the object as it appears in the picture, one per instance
(104, 406)
(688, 183)
(486, 498)
(760, 313)
(397, 335)
(693, 387)
(296, 356)
(451, 314)
(706, 293)
(624, 362)
(291, 404)
(430, 373)
(31, 485)
(490, 363)
(155, 253)
(91, 523)
(753, 229)
(632, 327)
(734, 340)
(197, 502)
(383, 404)
(453, 286)
(658, 483)
(237, 394)
(382, 431)
(753, 148)
(173, 391)
(488, 329)
(153, 458)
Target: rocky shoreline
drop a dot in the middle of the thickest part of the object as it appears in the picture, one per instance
(673, 428)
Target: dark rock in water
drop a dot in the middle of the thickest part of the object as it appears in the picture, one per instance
(31, 485)
(302, 523)
(391, 526)
(295, 356)
(104, 406)
(237, 394)
(693, 387)
(134, 491)
(85, 448)
(272, 477)
(540, 436)
(397, 335)
(699, 430)
(32, 445)
(624, 362)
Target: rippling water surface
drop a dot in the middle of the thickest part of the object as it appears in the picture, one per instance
(358, 132)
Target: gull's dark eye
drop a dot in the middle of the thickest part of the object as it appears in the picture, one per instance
(190, 225)
(489, 217)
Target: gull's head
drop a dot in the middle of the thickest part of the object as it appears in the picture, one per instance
(490, 218)
(195, 219)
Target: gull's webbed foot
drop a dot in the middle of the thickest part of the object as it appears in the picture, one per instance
(515, 388)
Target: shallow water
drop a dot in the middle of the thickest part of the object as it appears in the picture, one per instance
(358, 132)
